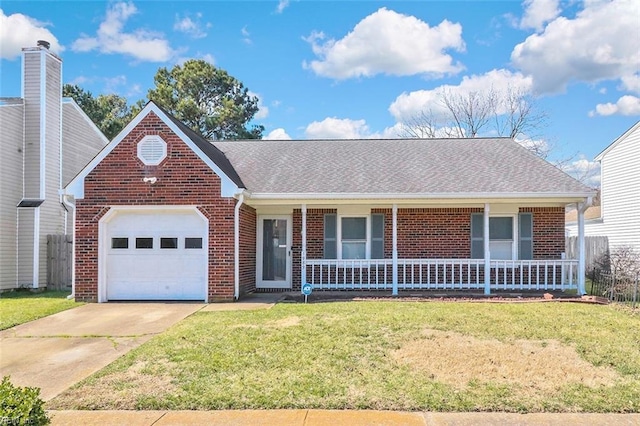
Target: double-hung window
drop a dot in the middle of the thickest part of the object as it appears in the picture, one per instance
(510, 237)
(354, 237)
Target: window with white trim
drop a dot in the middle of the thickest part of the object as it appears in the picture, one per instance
(508, 238)
(152, 149)
(353, 237)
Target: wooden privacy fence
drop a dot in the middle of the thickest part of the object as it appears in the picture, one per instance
(59, 261)
(594, 248)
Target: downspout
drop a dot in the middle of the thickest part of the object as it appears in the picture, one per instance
(236, 242)
(582, 208)
(71, 206)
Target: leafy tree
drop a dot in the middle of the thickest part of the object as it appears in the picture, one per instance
(109, 112)
(207, 99)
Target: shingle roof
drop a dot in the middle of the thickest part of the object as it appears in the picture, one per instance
(395, 166)
(207, 148)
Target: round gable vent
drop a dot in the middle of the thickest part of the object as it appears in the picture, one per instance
(152, 150)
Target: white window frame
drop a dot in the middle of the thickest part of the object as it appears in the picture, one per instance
(367, 249)
(514, 236)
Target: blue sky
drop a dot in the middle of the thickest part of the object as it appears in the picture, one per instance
(346, 69)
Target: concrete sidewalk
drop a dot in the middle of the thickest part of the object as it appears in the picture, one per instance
(331, 418)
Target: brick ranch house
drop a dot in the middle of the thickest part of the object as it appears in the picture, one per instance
(163, 214)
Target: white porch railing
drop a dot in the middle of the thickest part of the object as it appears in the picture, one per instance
(441, 274)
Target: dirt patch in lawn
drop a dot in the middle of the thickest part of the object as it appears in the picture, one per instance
(286, 322)
(120, 390)
(281, 323)
(458, 359)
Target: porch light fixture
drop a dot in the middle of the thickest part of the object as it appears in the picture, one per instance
(150, 180)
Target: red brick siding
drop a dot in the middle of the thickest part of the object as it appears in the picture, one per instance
(183, 179)
(431, 233)
(548, 231)
(247, 249)
(435, 233)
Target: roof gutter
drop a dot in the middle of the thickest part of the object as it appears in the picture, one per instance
(392, 196)
(236, 244)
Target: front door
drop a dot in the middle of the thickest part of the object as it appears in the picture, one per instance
(274, 252)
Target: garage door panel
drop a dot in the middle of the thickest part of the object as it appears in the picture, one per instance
(157, 274)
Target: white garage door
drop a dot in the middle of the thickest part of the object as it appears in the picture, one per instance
(156, 255)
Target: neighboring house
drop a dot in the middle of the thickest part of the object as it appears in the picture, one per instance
(617, 217)
(45, 141)
(162, 213)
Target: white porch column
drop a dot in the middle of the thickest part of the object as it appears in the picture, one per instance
(303, 254)
(394, 255)
(581, 259)
(487, 253)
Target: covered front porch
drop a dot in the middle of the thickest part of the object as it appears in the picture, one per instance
(442, 274)
(530, 257)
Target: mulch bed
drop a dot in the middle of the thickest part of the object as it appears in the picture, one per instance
(438, 296)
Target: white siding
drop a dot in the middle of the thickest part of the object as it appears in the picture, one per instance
(591, 229)
(621, 191)
(32, 74)
(10, 189)
(82, 140)
(25, 247)
(620, 168)
(51, 211)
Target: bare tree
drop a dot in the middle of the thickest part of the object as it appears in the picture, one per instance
(511, 113)
(517, 114)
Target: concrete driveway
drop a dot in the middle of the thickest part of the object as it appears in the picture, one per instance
(57, 351)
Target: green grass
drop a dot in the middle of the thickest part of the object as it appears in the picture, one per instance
(343, 355)
(18, 307)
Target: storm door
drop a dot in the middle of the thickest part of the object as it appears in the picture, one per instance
(274, 252)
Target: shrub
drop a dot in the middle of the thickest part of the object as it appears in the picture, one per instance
(21, 406)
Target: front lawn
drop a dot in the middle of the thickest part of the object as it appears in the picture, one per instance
(436, 356)
(22, 306)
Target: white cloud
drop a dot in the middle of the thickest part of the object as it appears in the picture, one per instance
(193, 28)
(110, 38)
(277, 134)
(204, 56)
(337, 128)
(263, 110)
(80, 80)
(631, 82)
(538, 12)
(346, 128)
(626, 105)
(112, 83)
(246, 35)
(18, 31)
(598, 44)
(282, 5)
(388, 42)
(586, 171)
(409, 105)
